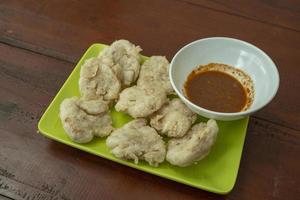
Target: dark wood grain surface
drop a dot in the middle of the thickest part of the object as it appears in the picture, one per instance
(40, 43)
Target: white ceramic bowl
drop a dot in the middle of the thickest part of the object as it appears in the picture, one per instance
(247, 57)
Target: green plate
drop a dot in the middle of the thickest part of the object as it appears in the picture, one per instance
(216, 173)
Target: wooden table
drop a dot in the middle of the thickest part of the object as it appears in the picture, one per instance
(40, 43)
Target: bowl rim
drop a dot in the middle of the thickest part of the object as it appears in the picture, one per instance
(232, 114)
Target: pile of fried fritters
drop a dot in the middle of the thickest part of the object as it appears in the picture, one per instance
(116, 77)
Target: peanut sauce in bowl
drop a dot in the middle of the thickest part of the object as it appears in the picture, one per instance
(246, 82)
(217, 87)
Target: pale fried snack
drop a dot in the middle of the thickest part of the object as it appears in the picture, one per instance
(101, 80)
(137, 141)
(174, 119)
(97, 80)
(155, 72)
(194, 146)
(141, 101)
(84, 119)
(124, 58)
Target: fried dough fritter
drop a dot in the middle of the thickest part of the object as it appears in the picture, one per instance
(84, 119)
(174, 119)
(137, 141)
(98, 80)
(124, 58)
(141, 101)
(154, 71)
(194, 146)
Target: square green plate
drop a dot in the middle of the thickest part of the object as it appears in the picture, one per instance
(216, 173)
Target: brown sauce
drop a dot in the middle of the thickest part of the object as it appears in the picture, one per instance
(216, 91)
